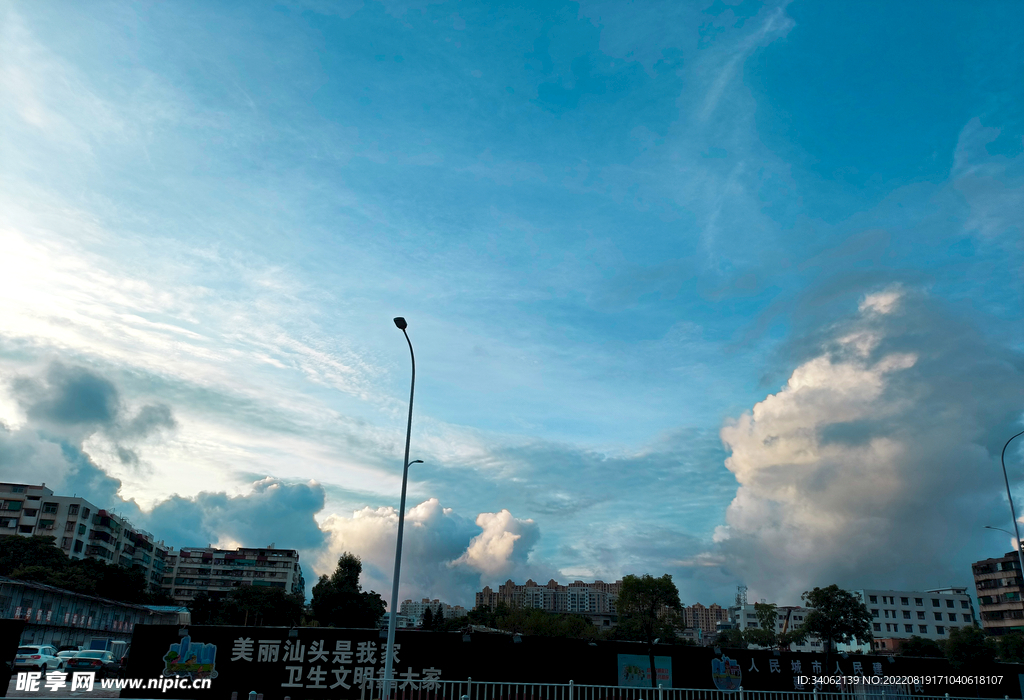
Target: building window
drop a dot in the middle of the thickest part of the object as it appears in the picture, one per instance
(952, 617)
(31, 512)
(874, 612)
(964, 604)
(873, 598)
(69, 527)
(73, 509)
(25, 529)
(78, 545)
(906, 614)
(11, 505)
(886, 612)
(920, 614)
(939, 629)
(878, 627)
(938, 616)
(904, 601)
(918, 601)
(949, 603)
(967, 618)
(18, 489)
(85, 512)
(923, 629)
(935, 602)
(908, 628)
(65, 543)
(81, 529)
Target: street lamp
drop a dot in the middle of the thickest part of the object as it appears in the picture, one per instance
(393, 618)
(1013, 514)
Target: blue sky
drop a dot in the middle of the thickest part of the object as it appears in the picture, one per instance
(725, 290)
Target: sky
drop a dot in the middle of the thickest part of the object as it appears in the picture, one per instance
(729, 291)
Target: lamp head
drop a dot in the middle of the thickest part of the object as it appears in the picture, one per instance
(400, 322)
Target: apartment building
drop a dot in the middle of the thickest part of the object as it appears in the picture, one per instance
(414, 611)
(898, 615)
(220, 571)
(81, 529)
(998, 584)
(705, 619)
(595, 600)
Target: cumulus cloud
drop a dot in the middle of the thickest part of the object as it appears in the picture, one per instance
(443, 554)
(877, 463)
(504, 542)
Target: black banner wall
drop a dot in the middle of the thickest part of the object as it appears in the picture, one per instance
(344, 664)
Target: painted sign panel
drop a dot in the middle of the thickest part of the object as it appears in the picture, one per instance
(635, 670)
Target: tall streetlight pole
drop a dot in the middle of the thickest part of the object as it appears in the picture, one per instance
(1013, 513)
(393, 617)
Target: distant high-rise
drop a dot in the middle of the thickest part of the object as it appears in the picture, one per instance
(595, 600)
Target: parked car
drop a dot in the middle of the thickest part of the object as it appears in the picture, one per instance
(37, 658)
(66, 654)
(124, 659)
(102, 662)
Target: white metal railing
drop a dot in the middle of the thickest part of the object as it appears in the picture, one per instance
(492, 690)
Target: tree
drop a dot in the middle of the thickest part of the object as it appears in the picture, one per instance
(764, 635)
(260, 605)
(439, 618)
(732, 639)
(339, 600)
(919, 646)
(642, 601)
(202, 609)
(428, 619)
(17, 552)
(1011, 648)
(837, 617)
(969, 648)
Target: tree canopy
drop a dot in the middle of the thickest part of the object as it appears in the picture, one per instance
(248, 605)
(37, 559)
(1011, 648)
(919, 646)
(766, 634)
(969, 648)
(838, 617)
(642, 605)
(339, 600)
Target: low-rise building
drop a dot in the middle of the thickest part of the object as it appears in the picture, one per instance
(64, 618)
(900, 615)
(788, 618)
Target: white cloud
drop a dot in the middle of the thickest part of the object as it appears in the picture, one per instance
(443, 555)
(874, 464)
(497, 549)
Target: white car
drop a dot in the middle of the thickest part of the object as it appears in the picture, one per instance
(37, 658)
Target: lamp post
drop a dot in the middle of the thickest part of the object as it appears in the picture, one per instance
(393, 617)
(1013, 513)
